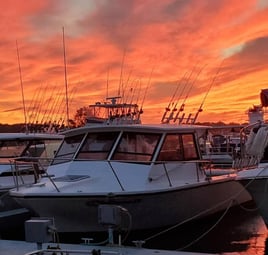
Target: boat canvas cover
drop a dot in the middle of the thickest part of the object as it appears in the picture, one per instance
(264, 97)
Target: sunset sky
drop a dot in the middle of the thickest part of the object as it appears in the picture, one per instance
(159, 52)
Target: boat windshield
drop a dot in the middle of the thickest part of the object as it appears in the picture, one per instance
(42, 149)
(67, 149)
(28, 148)
(136, 146)
(97, 145)
(178, 147)
(127, 146)
(12, 148)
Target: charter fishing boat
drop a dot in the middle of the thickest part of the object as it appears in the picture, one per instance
(253, 173)
(154, 172)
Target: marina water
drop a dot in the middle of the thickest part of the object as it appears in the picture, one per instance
(239, 230)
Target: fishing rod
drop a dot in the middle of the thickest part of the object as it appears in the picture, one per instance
(39, 106)
(71, 97)
(187, 95)
(60, 112)
(51, 108)
(58, 106)
(49, 102)
(175, 105)
(200, 109)
(145, 93)
(131, 105)
(121, 73)
(33, 105)
(139, 94)
(107, 84)
(171, 100)
(51, 122)
(124, 88)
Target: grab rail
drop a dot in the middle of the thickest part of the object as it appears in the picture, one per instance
(25, 166)
(201, 167)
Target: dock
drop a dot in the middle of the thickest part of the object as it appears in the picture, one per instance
(13, 247)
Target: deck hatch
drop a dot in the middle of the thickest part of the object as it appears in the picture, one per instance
(70, 178)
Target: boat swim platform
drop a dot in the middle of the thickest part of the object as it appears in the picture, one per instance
(14, 247)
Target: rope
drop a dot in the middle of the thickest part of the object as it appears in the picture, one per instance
(205, 233)
(187, 220)
(263, 198)
(198, 215)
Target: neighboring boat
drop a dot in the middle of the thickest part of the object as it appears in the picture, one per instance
(18, 151)
(113, 112)
(220, 149)
(255, 177)
(155, 172)
(23, 159)
(254, 155)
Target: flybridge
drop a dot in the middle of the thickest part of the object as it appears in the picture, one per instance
(114, 112)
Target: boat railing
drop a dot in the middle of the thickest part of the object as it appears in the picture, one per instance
(245, 162)
(220, 150)
(201, 169)
(28, 166)
(248, 157)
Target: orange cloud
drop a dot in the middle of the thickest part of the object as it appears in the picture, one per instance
(182, 43)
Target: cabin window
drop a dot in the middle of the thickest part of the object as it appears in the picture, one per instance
(136, 146)
(67, 149)
(97, 145)
(178, 147)
(189, 148)
(171, 149)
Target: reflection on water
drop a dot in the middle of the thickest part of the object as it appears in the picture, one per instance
(241, 231)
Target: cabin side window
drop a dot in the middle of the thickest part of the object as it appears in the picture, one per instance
(178, 147)
(189, 148)
(136, 147)
(67, 149)
(97, 145)
(171, 149)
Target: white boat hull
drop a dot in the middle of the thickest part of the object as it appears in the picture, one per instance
(79, 213)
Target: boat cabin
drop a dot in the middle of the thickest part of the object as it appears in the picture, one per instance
(133, 143)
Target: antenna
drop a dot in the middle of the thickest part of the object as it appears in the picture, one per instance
(22, 91)
(65, 76)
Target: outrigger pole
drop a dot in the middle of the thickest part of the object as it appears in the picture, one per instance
(65, 76)
(22, 91)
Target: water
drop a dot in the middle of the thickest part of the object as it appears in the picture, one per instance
(240, 230)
